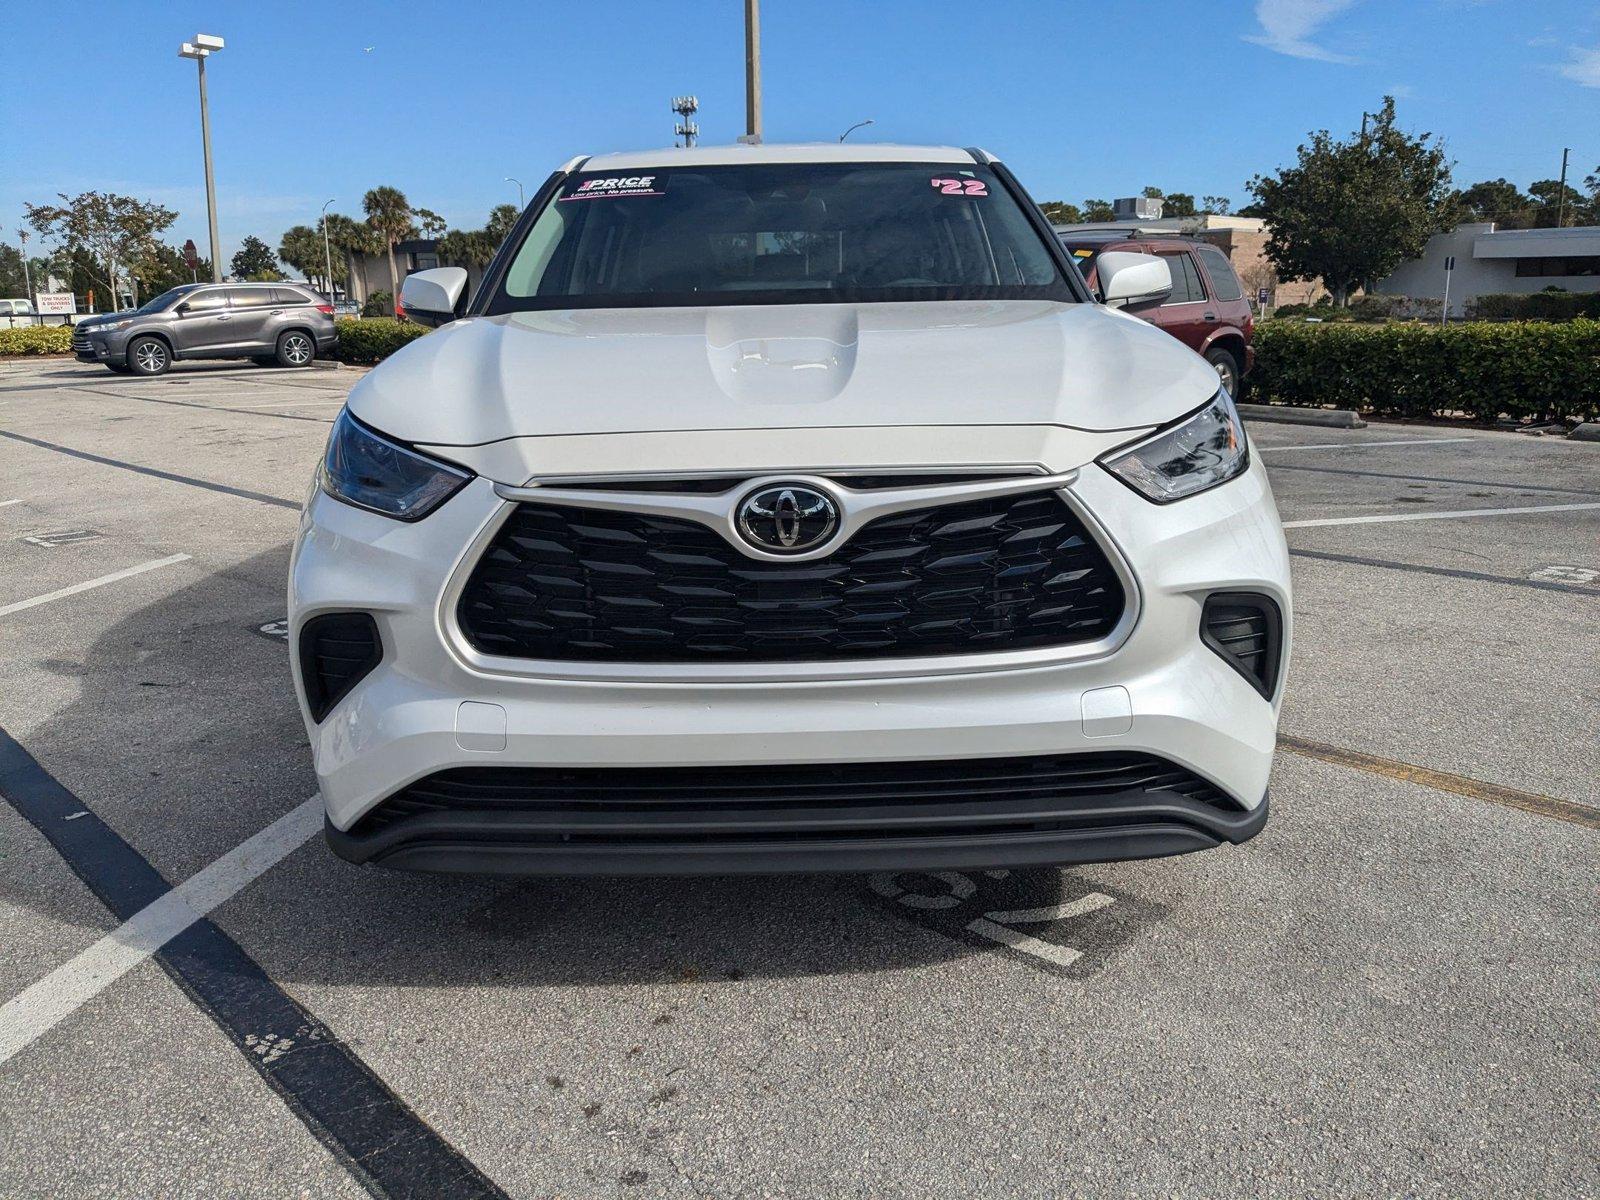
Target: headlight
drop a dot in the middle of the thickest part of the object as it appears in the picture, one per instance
(1190, 455)
(371, 472)
(109, 327)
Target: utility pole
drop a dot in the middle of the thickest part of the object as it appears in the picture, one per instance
(203, 46)
(1561, 192)
(27, 279)
(752, 72)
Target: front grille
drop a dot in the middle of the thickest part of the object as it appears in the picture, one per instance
(813, 800)
(1004, 573)
(80, 340)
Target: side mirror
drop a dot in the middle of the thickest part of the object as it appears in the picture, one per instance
(433, 297)
(1130, 278)
(182, 309)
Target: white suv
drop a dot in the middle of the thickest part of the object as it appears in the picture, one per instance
(788, 508)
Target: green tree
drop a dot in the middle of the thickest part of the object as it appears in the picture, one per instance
(1215, 205)
(353, 238)
(106, 228)
(1349, 212)
(501, 218)
(430, 222)
(1178, 204)
(1059, 212)
(476, 247)
(1098, 210)
(13, 281)
(389, 214)
(255, 260)
(1547, 197)
(303, 249)
(161, 267)
(1497, 200)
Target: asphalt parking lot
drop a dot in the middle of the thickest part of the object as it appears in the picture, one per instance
(1391, 991)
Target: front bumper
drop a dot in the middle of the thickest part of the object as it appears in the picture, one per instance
(431, 706)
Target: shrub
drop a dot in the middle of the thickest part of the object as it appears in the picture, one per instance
(1515, 369)
(1539, 306)
(36, 339)
(368, 340)
(379, 304)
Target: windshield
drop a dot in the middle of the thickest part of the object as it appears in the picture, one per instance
(779, 233)
(161, 301)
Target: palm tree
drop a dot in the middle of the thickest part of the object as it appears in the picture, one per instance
(389, 214)
(352, 237)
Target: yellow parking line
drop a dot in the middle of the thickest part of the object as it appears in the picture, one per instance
(1586, 815)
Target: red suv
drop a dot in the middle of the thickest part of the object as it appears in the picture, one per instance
(1207, 309)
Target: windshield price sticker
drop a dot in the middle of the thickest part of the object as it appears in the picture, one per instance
(619, 185)
(961, 187)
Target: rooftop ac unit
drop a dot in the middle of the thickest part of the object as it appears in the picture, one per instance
(1136, 208)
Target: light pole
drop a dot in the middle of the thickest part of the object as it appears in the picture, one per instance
(521, 203)
(856, 126)
(752, 72)
(203, 46)
(327, 251)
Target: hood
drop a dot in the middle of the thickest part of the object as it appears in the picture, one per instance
(814, 366)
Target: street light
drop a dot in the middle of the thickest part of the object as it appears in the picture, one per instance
(328, 252)
(856, 126)
(521, 203)
(203, 46)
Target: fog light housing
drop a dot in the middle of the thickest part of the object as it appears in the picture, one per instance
(337, 651)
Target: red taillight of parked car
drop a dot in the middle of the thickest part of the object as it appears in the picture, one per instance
(325, 309)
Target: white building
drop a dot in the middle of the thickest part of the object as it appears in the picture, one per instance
(1497, 262)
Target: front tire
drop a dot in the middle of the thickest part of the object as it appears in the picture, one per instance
(1227, 369)
(149, 356)
(295, 349)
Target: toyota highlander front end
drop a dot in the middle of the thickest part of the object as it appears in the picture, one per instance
(787, 508)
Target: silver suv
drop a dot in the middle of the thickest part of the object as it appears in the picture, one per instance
(278, 323)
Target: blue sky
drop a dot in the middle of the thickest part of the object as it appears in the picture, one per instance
(1082, 99)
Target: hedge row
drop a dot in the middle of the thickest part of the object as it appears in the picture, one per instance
(1516, 369)
(36, 339)
(367, 340)
(1535, 306)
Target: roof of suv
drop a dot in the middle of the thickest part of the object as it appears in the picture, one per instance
(1103, 239)
(804, 152)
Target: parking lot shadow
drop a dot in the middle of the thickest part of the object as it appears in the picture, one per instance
(185, 737)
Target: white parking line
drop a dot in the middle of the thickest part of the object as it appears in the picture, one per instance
(1385, 518)
(9, 503)
(336, 399)
(8, 609)
(49, 1001)
(1363, 445)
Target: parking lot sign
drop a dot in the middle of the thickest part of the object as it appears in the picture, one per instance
(54, 303)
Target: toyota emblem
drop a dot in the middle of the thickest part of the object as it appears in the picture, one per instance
(787, 518)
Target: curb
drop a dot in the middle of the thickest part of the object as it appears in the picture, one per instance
(1337, 418)
(1589, 431)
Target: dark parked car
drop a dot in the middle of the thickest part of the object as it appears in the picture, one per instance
(280, 323)
(1207, 309)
